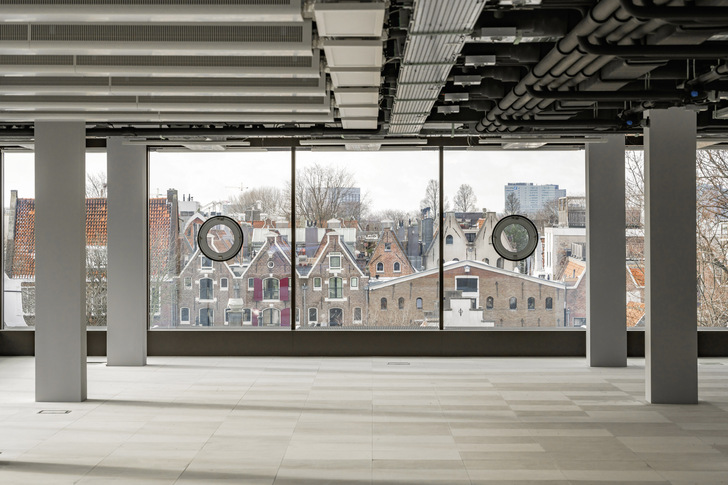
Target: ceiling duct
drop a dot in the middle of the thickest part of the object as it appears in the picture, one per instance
(437, 32)
(352, 43)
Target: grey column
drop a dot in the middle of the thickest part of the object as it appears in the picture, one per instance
(605, 247)
(671, 367)
(60, 261)
(126, 337)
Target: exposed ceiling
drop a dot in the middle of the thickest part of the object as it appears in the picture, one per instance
(487, 73)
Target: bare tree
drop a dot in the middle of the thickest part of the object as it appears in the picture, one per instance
(432, 198)
(513, 205)
(548, 215)
(270, 198)
(465, 198)
(96, 285)
(634, 193)
(96, 185)
(326, 192)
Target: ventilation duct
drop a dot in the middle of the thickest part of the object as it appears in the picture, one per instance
(437, 32)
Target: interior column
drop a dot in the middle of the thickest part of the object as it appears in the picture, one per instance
(126, 337)
(605, 242)
(60, 261)
(671, 367)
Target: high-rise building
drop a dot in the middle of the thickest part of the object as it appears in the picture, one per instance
(531, 198)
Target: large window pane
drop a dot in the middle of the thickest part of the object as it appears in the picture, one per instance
(18, 239)
(188, 290)
(481, 288)
(367, 225)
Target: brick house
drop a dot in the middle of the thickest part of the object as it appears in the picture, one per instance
(206, 289)
(389, 259)
(475, 295)
(331, 289)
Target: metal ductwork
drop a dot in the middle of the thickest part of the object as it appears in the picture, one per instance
(437, 33)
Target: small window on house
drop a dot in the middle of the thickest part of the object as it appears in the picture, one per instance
(251, 284)
(312, 315)
(357, 315)
(188, 282)
(335, 261)
(354, 282)
(207, 317)
(400, 303)
(531, 303)
(383, 304)
(223, 283)
(397, 267)
(271, 317)
(227, 315)
(467, 285)
(387, 246)
(513, 303)
(486, 260)
(549, 303)
(418, 302)
(336, 288)
(380, 267)
(206, 262)
(206, 289)
(448, 239)
(489, 303)
(499, 263)
(247, 315)
(184, 315)
(317, 284)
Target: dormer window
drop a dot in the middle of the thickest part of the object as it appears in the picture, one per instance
(397, 267)
(380, 267)
(206, 262)
(448, 239)
(387, 246)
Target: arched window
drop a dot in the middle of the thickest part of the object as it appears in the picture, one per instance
(223, 283)
(400, 303)
(513, 303)
(489, 303)
(271, 287)
(206, 289)
(312, 315)
(397, 267)
(185, 315)
(531, 303)
(206, 316)
(383, 304)
(486, 260)
(418, 302)
(499, 263)
(549, 303)
(380, 267)
(271, 316)
(448, 239)
(336, 288)
(336, 317)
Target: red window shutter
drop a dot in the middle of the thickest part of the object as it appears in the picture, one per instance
(286, 317)
(255, 319)
(284, 289)
(257, 289)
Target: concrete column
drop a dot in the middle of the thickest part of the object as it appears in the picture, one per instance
(60, 261)
(671, 339)
(605, 247)
(126, 337)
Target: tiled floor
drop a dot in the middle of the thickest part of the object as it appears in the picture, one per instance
(356, 421)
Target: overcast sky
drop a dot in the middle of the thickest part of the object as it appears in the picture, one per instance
(391, 179)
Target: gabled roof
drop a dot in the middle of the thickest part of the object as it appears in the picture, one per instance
(635, 313)
(638, 275)
(449, 266)
(323, 249)
(279, 245)
(23, 262)
(394, 238)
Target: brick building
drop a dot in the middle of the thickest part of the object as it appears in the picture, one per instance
(389, 259)
(475, 295)
(331, 290)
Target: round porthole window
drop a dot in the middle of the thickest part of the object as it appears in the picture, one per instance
(271, 264)
(515, 237)
(226, 232)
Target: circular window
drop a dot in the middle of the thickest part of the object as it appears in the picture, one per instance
(515, 237)
(271, 264)
(226, 232)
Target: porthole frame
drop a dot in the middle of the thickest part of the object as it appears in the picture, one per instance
(525, 223)
(235, 248)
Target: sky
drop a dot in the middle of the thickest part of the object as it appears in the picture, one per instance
(390, 179)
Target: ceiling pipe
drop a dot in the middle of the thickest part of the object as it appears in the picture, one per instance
(583, 124)
(596, 96)
(710, 50)
(675, 14)
(206, 132)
